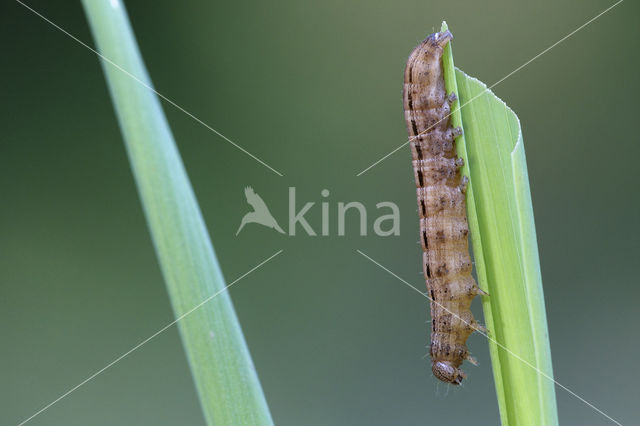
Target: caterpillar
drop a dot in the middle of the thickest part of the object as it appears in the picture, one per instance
(441, 203)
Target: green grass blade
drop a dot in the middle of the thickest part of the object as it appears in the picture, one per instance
(505, 249)
(223, 372)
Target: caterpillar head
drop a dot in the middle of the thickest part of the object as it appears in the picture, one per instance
(446, 372)
(439, 39)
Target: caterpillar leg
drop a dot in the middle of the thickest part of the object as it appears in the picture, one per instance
(471, 359)
(443, 139)
(452, 98)
(479, 327)
(463, 184)
(477, 290)
(456, 131)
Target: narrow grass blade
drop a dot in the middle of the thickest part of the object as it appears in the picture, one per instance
(505, 250)
(224, 375)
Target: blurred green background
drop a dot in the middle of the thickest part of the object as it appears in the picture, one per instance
(314, 89)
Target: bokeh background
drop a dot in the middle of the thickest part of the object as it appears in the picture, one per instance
(314, 89)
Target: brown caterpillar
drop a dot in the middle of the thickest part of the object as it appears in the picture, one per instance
(441, 202)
